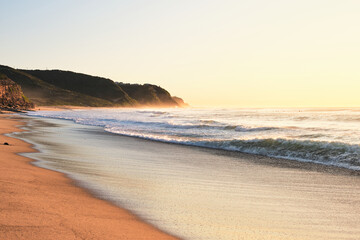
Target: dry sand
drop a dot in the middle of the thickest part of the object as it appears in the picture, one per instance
(37, 203)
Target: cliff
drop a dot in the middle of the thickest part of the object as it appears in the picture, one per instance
(56, 87)
(11, 95)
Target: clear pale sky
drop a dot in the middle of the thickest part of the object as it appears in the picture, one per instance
(228, 52)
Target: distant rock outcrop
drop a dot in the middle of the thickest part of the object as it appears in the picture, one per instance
(11, 96)
(149, 95)
(180, 102)
(56, 87)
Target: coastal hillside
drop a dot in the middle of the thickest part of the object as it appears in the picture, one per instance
(56, 87)
(81, 83)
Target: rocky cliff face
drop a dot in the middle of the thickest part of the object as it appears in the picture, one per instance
(11, 95)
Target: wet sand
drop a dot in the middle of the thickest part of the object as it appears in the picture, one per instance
(37, 203)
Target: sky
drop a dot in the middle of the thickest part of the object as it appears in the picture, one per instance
(256, 53)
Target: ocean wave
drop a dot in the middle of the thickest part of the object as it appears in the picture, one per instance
(328, 153)
(312, 136)
(254, 129)
(173, 125)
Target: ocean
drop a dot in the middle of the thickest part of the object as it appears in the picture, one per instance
(323, 136)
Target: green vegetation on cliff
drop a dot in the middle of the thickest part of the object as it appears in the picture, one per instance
(85, 84)
(43, 93)
(56, 87)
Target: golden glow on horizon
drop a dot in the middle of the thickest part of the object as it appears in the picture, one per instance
(212, 53)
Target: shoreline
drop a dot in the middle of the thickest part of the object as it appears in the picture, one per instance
(257, 197)
(38, 203)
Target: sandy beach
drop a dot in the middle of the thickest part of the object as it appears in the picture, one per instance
(36, 203)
